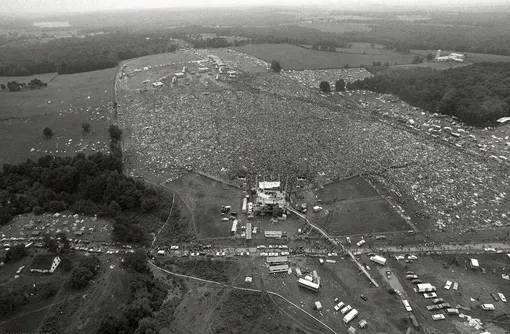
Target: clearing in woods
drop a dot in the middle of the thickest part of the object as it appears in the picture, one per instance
(293, 57)
(67, 102)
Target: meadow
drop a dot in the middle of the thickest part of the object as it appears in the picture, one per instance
(64, 105)
(297, 58)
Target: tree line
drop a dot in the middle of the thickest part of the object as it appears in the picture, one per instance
(14, 86)
(478, 95)
(73, 55)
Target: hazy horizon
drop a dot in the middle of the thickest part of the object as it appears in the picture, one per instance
(29, 7)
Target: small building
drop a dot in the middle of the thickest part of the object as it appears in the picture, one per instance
(277, 260)
(35, 233)
(248, 279)
(309, 285)
(248, 231)
(174, 80)
(473, 263)
(45, 263)
(281, 268)
(318, 305)
(378, 259)
(273, 234)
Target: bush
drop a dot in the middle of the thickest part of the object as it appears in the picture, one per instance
(86, 127)
(325, 87)
(37, 210)
(80, 277)
(47, 132)
(275, 66)
(115, 132)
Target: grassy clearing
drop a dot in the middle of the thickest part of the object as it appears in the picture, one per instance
(355, 207)
(336, 27)
(67, 91)
(470, 56)
(205, 197)
(75, 99)
(296, 58)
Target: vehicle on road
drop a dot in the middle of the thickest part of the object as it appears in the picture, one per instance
(407, 306)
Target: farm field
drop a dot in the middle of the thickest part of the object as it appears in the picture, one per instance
(75, 99)
(336, 27)
(470, 56)
(296, 58)
(353, 206)
(67, 91)
(435, 65)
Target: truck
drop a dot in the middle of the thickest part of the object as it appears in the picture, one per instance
(361, 242)
(318, 306)
(425, 287)
(448, 285)
(346, 309)
(317, 208)
(245, 205)
(234, 227)
(338, 306)
(351, 315)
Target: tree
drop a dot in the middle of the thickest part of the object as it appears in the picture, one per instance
(148, 325)
(92, 263)
(340, 85)
(137, 261)
(85, 127)
(2, 86)
(372, 45)
(325, 87)
(16, 253)
(50, 243)
(115, 132)
(5, 216)
(38, 210)
(275, 66)
(47, 132)
(430, 56)
(62, 237)
(80, 277)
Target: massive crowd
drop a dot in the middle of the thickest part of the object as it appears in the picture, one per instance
(263, 123)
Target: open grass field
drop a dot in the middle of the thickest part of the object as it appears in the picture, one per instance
(68, 91)
(336, 27)
(353, 206)
(204, 197)
(296, 58)
(437, 66)
(470, 56)
(74, 99)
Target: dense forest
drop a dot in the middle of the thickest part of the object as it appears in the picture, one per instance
(478, 94)
(72, 55)
(407, 36)
(86, 185)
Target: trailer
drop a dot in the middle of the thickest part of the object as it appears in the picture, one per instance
(245, 205)
(473, 263)
(425, 287)
(318, 306)
(233, 230)
(309, 285)
(351, 315)
(361, 242)
(378, 259)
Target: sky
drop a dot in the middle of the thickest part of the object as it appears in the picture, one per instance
(49, 6)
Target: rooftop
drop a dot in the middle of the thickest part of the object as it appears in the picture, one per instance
(42, 261)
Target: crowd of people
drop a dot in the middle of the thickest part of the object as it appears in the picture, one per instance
(274, 124)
